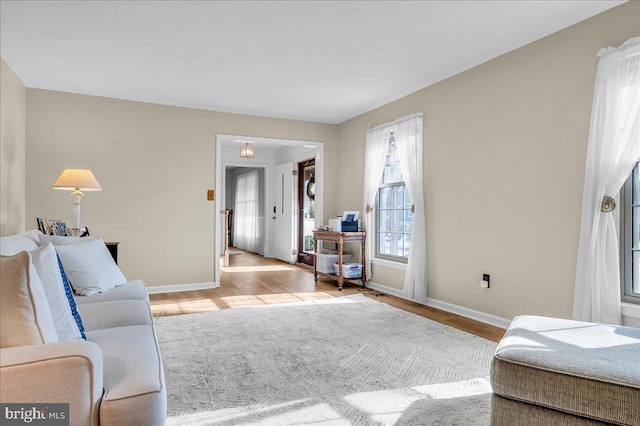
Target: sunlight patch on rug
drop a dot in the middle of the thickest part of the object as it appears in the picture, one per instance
(211, 417)
(386, 406)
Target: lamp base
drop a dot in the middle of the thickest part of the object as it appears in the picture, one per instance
(77, 201)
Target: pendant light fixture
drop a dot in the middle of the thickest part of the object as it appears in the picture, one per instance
(246, 151)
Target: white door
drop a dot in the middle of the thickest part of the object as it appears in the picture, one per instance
(284, 213)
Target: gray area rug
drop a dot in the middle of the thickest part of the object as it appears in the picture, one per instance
(342, 361)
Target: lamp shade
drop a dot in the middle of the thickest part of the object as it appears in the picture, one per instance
(77, 179)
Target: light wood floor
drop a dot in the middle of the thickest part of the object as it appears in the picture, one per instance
(252, 280)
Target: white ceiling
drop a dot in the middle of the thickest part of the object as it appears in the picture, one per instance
(324, 61)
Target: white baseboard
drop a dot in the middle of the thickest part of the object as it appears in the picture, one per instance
(469, 313)
(448, 307)
(390, 290)
(180, 287)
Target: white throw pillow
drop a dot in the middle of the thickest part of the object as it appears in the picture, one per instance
(90, 267)
(58, 240)
(45, 261)
(25, 317)
(14, 244)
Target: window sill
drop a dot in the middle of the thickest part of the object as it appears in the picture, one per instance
(630, 310)
(389, 264)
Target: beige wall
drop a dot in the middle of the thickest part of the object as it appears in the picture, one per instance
(505, 149)
(155, 164)
(13, 107)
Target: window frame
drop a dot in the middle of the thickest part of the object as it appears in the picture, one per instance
(399, 184)
(626, 240)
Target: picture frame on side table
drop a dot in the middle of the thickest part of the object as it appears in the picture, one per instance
(77, 232)
(49, 222)
(62, 228)
(41, 226)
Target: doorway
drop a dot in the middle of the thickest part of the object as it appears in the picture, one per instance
(269, 154)
(245, 200)
(306, 205)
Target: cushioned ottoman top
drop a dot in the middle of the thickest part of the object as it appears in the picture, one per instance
(581, 368)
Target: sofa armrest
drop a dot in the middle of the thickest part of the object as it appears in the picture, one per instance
(62, 372)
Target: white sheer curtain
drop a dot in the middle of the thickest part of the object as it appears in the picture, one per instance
(614, 148)
(408, 136)
(375, 150)
(246, 218)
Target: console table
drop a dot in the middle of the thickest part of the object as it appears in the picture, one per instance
(339, 238)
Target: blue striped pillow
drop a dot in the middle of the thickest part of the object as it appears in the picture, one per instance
(72, 300)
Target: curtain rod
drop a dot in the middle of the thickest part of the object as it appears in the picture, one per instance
(393, 123)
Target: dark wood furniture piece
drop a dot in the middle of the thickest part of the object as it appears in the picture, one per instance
(113, 249)
(340, 238)
(306, 197)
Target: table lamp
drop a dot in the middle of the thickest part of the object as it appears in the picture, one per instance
(77, 180)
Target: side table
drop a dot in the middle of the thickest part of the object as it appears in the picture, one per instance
(339, 238)
(113, 249)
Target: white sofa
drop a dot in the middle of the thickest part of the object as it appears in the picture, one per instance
(114, 377)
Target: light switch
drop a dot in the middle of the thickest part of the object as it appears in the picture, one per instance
(210, 195)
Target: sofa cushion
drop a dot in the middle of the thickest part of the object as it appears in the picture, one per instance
(90, 267)
(591, 370)
(134, 289)
(115, 313)
(134, 384)
(25, 317)
(45, 260)
(14, 244)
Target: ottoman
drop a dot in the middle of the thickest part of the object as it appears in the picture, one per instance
(549, 371)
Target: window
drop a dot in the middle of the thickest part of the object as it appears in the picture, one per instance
(394, 216)
(630, 241)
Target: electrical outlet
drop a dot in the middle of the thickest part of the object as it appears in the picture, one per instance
(486, 281)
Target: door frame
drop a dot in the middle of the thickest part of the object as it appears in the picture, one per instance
(219, 201)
